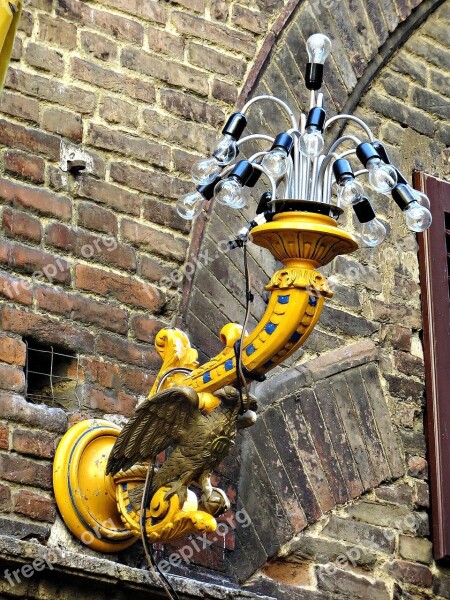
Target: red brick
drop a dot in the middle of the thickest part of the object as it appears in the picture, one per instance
(252, 20)
(105, 374)
(153, 269)
(12, 351)
(156, 183)
(96, 218)
(128, 290)
(217, 62)
(17, 136)
(46, 330)
(417, 467)
(175, 74)
(154, 240)
(63, 122)
(82, 309)
(166, 43)
(126, 403)
(119, 111)
(145, 329)
(19, 290)
(35, 443)
(189, 107)
(116, 26)
(111, 195)
(127, 351)
(11, 378)
(25, 165)
(42, 201)
(25, 470)
(165, 214)
(109, 402)
(409, 364)
(150, 10)
(4, 436)
(35, 506)
(19, 106)
(221, 90)
(16, 409)
(410, 572)
(57, 32)
(51, 90)
(92, 247)
(32, 260)
(110, 80)
(20, 224)
(45, 58)
(98, 46)
(5, 498)
(137, 381)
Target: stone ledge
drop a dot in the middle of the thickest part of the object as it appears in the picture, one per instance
(19, 552)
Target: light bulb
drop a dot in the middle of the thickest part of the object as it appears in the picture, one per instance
(372, 233)
(318, 47)
(383, 178)
(204, 171)
(418, 218)
(312, 142)
(275, 162)
(421, 198)
(230, 193)
(350, 191)
(226, 150)
(190, 205)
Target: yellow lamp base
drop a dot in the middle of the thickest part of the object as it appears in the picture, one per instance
(85, 496)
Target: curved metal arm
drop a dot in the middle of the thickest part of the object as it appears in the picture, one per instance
(344, 138)
(283, 105)
(260, 168)
(356, 120)
(255, 136)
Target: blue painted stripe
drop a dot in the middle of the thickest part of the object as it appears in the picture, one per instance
(250, 349)
(283, 299)
(229, 364)
(294, 339)
(312, 301)
(270, 327)
(129, 508)
(206, 377)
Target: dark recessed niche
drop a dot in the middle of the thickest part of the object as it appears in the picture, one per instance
(52, 375)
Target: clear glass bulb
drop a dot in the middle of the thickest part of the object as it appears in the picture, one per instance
(190, 205)
(350, 192)
(204, 171)
(318, 47)
(372, 233)
(230, 193)
(226, 150)
(312, 142)
(421, 198)
(418, 218)
(275, 162)
(383, 178)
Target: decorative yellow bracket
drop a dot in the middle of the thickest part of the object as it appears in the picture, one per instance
(101, 509)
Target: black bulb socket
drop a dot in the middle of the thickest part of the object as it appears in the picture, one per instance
(364, 211)
(382, 152)
(263, 204)
(254, 178)
(402, 196)
(342, 170)
(283, 140)
(316, 118)
(207, 190)
(235, 125)
(314, 76)
(365, 152)
(242, 171)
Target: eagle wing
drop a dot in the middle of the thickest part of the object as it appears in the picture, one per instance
(158, 422)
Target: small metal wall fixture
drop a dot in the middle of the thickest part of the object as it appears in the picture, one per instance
(104, 478)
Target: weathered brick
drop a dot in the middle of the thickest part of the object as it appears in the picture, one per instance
(20, 224)
(360, 533)
(32, 260)
(25, 165)
(137, 380)
(165, 42)
(45, 329)
(12, 351)
(431, 102)
(110, 402)
(5, 498)
(172, 73)
(150, 10)
(399, 111)
(45, 58)
(153, 269)
(415, 549)
(128, 290)
(117, 26)
(25, 470)
(253, 21)
(17, 410)
(189, 107)
(58, 32)
(221, 90)
(45, 88)
(63, 123)
(217, 34)
(341, 582)
(17, 136)
(12, 378)
(35, 506)
(123, 143)
(82, 309)
(19, 106)
(97, 218)
(26, 22)
(101, 372)
(422, 495)
(17, 50)
(196, 5)
(151, 182)
(383, 515)
(154, 240)
(86, 245)
(19, 290)
(119, 111)
(127, 351)
(398, 494)
(408, 364)
(34, 443)
(110, 80)
(408, 65)
(417, 467)
(165, 214)
(98, 46)
(111, 195)
(219, 10)
(217, 62)
(410, 572)
(41, 200)
(145, 329)
(4, 436)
